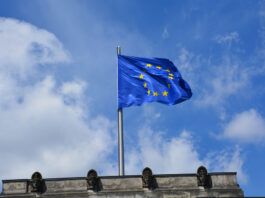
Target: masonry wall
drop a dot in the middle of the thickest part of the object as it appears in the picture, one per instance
(167, 186)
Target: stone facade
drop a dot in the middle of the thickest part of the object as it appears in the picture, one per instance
(133, 186)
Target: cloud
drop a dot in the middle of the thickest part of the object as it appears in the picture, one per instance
(176, 155)
(150, 114)
(227, 39)
(179, 155)
(53, 137)
(165, 33)
(224, 80)
(24, 47)
(45, 126)
(188, 64)
(228, 160)
(246, 127)
(212, 87)
(215, 80)
(184, 59)
(73, 92)
(73, 88)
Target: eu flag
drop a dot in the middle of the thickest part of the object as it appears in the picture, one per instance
(143, 80)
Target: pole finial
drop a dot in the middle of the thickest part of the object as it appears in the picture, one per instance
(118, 49)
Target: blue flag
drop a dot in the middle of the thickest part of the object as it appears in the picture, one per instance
(143, 80)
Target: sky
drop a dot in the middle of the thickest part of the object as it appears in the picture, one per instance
(58, 88)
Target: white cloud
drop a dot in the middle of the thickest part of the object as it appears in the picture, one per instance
(179, 155)
(227, 39)
(73, 92)
(228, 161)
(176, 155)
(24, 46)
(213, 83)
(224, 81)
(44, 126)
(165, 33)
(216, 84)
(188, 64)
(184, 59)
(246, 127)
(150, 114)
(43, 133)
(73, 88)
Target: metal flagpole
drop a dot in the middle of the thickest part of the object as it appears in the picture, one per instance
(120, 136)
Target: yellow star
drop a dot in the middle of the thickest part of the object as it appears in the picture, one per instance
(149, 65)
(165, 93)
(167, 70)
(145, 84)
(158, 67)
(168, 85)
(155, 93)
(171, 77)
(148, 92)
(141, 76)
(171, 74)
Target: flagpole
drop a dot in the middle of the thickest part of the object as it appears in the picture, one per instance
(120, 135)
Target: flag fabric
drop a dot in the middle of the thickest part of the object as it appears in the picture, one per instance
(142, 80)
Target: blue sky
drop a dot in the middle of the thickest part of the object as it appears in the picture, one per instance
(58, 88)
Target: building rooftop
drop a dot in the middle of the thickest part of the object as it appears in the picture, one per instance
(202, 184)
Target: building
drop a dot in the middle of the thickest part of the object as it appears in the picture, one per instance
(202, 184)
